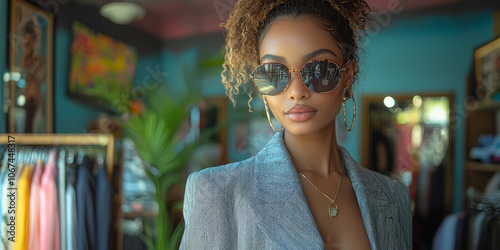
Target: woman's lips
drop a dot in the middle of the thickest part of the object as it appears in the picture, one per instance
(300, 113)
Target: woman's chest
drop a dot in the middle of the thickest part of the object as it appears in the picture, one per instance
(346, 229)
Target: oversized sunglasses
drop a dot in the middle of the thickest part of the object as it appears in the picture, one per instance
(317, 75)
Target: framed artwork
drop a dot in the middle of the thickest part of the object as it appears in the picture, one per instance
(30, 64)
(487, 63)
(101, 69)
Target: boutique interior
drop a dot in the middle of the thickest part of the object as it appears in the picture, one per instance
(108, 106)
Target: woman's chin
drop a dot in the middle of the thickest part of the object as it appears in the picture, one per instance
(308, 129)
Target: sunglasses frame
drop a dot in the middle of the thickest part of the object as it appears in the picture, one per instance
(299, 70)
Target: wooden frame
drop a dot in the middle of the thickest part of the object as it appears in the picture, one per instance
(366, 135)
(214, 115)
(31, 67)
(487, 65)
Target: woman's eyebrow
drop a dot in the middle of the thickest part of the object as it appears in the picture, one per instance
(273, 58)
(318, 52)
(307, 57)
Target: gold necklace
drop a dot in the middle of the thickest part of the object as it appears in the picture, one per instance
(332, 211)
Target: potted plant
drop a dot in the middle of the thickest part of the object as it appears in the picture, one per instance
(153, 127)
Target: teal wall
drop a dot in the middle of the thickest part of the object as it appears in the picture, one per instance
(70, 115)
(194, 63)
(3, 60)
(424, 55)
(179, 67)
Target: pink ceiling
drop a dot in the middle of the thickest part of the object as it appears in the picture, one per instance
(170, 19)
(407, 4)
(181, 18)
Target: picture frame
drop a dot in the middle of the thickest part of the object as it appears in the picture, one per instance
(487, 69)
(31, 68)
(214, 119)
(100, 76)
(212, 123)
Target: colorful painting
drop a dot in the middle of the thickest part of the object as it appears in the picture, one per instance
(30, 79)
(102, 68)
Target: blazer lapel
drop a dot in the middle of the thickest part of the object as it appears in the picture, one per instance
(279, 206)
(374, 202)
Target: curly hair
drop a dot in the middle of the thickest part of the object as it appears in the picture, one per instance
(251, 19)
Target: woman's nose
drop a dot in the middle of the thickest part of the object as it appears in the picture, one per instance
(297, 89)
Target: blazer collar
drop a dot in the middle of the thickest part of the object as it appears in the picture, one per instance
(280, 206)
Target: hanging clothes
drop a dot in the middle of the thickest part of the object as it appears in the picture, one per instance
(61, 187)
(3, 173)
(49, 219)
(58, 205)
(8, 200)
(34, 223)
(85, 198)
(104, 209)
(444, 238)
(476, 229)
(71, 214)
(22, 209)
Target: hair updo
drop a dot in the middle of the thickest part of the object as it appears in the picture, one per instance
(251, 19)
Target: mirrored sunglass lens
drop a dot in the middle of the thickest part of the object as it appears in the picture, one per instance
(270, 79)
(320, 76)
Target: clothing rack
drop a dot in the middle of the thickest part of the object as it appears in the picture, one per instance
(53, 139)
(102, 140)
(483, 202)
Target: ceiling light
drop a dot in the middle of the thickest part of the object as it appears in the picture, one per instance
(122, 12)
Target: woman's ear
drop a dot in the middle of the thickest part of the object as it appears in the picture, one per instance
(349, 74)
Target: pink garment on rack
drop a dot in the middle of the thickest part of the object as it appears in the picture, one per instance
(34, 222)
(49, 215)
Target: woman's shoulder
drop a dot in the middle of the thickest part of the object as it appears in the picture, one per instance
(389, 185)
(222, 177)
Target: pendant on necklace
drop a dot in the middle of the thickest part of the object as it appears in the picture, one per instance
(332, 210)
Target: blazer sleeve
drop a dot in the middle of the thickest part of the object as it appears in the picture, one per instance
(186, 210)
(406, 218)
(208, 212)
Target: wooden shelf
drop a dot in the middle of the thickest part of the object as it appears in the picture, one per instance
(478, 166)
(485, 105)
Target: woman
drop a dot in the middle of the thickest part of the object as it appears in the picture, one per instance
(33, 67)
(302, 190)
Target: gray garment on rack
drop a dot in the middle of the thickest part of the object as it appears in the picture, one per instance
(61, 187)
(71, 218)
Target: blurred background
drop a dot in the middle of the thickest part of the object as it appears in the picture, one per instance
(117, 102)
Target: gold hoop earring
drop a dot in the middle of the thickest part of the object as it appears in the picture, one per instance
(269, 116)
(344, 98)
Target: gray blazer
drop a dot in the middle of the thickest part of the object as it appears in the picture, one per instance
(259, 203)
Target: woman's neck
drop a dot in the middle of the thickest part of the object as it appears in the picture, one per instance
(317, 153)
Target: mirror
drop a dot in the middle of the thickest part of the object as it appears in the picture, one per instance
(408, 137)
